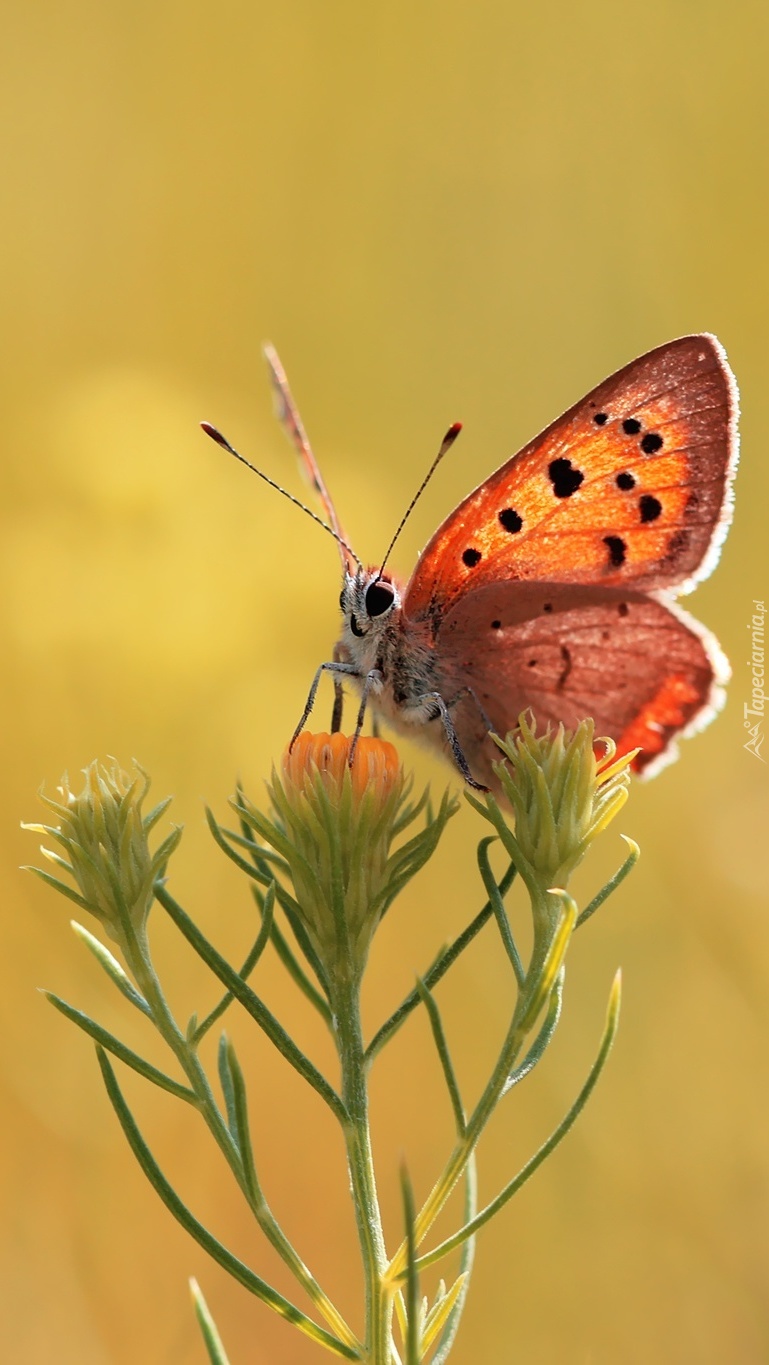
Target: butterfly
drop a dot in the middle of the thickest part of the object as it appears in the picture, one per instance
(551, 587)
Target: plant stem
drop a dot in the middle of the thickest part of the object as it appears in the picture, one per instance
(138, 957)
(349, 1038)
(520, 1027)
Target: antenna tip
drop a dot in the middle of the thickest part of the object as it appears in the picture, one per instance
(449, 438)
(215, 435)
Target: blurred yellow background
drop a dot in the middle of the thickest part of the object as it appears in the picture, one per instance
(435, 212)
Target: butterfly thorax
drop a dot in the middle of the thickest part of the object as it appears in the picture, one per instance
(373, 640)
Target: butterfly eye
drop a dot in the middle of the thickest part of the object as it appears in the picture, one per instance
(379, 598)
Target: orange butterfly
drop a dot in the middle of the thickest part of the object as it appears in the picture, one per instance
(552, 585)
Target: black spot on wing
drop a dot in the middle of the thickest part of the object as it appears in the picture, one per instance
(510, 519)
(471, 557)
(651, 443)
(617, 550)
(600, 418)
(625, 482)
(631, 426)
(649, 507)
(566, 669)
(564, 477)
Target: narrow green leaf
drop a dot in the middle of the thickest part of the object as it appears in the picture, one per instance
(252, 958)
(474, 1224)
(118, 1049)
(112, 967)
(58, 886)
(613, 882)
(152, 817)
(222, 838)
(554, 960)
(411, 1343)
(225, 1081)
(410, 812)
(537, 1048)
(239, 1125)
(262, 872)
(234, 1088)
(467, 1258)
(201, 1235)
(438, 1315)
(216, 1352)
(438, 970)
(294, 969)
(442, 1047)
(497, 905)
(54, 858)
(251, 1002)
(291, 910)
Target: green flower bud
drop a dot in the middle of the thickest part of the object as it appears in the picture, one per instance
(562, 796)
(105, 839)
(335, 824)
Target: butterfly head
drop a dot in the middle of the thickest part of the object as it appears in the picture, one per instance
(368, 601)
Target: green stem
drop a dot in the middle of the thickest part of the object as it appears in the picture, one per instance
(138, 957)
(540, 979)
(352, 1056)
(464, 1147)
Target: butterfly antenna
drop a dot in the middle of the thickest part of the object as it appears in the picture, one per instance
(287, 414)
(446, 444)
(221, 440)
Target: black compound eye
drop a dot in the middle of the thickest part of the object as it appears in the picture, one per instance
(379, 598)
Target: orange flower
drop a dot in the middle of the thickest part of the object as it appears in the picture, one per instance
(375, 763)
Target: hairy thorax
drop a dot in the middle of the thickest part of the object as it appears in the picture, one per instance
(400, 665)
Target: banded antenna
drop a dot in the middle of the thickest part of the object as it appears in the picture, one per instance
(344, 549)
(287, 414)
(446, 444)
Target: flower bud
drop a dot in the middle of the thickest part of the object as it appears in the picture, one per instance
(562, 796)
(335, 822)
(105, 837)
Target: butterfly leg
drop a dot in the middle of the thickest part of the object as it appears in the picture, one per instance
(334, 667)
(336, 714)
(470, 692)
(372, 680)
(435, 700)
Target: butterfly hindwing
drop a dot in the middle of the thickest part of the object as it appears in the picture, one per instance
(643, 670)
(629, 487)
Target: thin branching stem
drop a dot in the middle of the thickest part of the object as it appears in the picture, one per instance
(527, 1009)
(219, 1253)
(140, 962)
(438, 970)
(473, 1225)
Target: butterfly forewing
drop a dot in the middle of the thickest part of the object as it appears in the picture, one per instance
(629, 487)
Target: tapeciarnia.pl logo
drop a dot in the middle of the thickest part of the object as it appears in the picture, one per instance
(754, 710)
